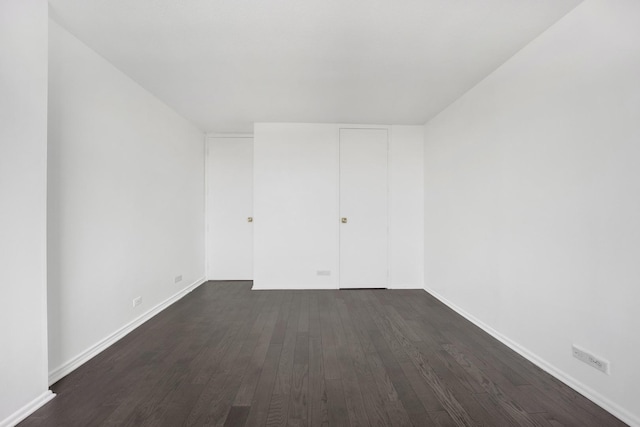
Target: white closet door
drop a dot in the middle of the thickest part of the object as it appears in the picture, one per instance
(229, 207)
(363, 208)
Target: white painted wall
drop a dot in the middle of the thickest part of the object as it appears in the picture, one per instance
(229, 199)
(23, 197)
(532, 201)
(406, 207)
(296, 205)
(126, 202)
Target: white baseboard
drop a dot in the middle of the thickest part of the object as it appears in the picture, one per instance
(404, 286)
(581, 388)
(27, 409)
(268, 287)
(279, 287)
(95, 349)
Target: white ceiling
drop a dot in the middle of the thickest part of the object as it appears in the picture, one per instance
(225, 64)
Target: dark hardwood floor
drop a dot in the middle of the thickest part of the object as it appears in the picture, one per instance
(228, 356)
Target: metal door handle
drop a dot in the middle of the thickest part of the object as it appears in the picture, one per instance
(250, 219)
(343, 220)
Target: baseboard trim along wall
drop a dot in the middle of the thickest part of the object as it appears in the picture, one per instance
(279, 287)
(27, 409)
(398, 287)
(268, 287)
(586, 391)
(100, 346)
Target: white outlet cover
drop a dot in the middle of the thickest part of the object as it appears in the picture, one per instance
(595, 362)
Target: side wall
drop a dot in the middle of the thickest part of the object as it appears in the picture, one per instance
(532, 201)
(296, 205)
(406, 207)
(23, 198)
(126, 203)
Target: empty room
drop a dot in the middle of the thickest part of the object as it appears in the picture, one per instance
(319, 213)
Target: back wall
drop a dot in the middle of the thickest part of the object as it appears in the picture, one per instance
(296, 205)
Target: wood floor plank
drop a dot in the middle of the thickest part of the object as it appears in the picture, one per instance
(146, 394)
(441, 419)
(549, 420)
(556, 396)
(464, 340)
(279, 405)
(298, 404)
(493, 382)
(318, 410)
(346, 354)
(212, 402)
(399, 398)
(441, 389)
(336, 404)
(299, 400)
(225, 355)
(411, 403)
(244, 397)
(245, 365)
(514, 416)
(393, 405)
(180, 405)
(407, 373)
(237, 416)
(262, 396)
(371, 399)
(329, 356)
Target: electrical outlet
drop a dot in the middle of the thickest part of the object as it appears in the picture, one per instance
(137, 301)
(591, 360)
(323, 273)
(177, 279)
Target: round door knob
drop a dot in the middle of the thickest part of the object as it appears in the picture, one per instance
(343, 220)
